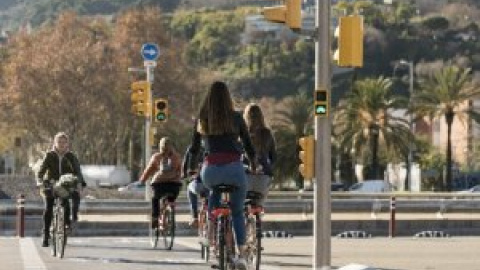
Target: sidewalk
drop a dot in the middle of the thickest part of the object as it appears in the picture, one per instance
(454, 224)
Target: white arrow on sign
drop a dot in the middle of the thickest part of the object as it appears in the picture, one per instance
(150, 52)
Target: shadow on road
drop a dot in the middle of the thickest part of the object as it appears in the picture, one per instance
(282, 255)
(148, 248)
(137, 261)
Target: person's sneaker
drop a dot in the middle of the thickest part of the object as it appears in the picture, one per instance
(45, 242)
(154, 223)
(241, 264)
(68, 228)
(193, 223)
(204, 241)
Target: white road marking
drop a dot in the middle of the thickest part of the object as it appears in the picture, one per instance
(31, 259)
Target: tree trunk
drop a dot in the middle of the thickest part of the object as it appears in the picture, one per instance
(449, 118)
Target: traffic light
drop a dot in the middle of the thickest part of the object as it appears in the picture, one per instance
(321, 103)
(290, 14)
(350, 42)
(307, 145)
(140, 98)
(160, 110)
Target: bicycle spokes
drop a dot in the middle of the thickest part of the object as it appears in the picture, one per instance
(168, 230)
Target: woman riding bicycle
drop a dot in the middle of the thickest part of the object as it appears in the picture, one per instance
(262, 140)
(220, 127)
(57, 162)
(165, 167)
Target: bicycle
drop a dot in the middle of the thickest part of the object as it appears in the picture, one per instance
(62, 190)
(253, 214)
(166, 223)
(203, 229)
(223, 242)
(257, 190)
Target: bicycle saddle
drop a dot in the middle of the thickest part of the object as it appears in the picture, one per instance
(225, 188)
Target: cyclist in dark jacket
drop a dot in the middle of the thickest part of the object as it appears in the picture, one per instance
(57, 162)
(225, 136)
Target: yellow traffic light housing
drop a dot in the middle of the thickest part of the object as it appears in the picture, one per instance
(307, 145)
(321, 104)
(290, 14)
(140, 98)
(350, 42)
(160, 109)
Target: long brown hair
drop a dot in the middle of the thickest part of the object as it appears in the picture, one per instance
(216, 112)
(259, 132)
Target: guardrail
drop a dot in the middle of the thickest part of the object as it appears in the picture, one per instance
(431, 212)
(293, 203)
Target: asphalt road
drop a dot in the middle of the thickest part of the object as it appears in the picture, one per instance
(118, 253)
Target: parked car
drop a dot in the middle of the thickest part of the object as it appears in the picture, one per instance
(371, 186)
(338, 186)
(474, 189)
(132, 188)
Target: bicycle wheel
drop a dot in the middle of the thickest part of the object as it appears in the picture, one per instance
(226, 246)
(53, 232)
(61, 232)
(203, 235)
(154, 233)
(168, 226)
(222, 244)
(254, 241)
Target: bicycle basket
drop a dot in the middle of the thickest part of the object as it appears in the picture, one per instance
(65, 185)
(258, 183)
(61, 192)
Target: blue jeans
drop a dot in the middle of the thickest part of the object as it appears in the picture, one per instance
(229, 174)
(195, 189)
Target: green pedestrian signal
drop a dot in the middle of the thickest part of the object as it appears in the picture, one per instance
(161, 116)
(321, 103)
(320, 109)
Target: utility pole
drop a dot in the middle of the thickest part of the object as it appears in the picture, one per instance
(322, 183)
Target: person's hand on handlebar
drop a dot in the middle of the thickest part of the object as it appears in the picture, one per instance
(138, 183)
(43, 183)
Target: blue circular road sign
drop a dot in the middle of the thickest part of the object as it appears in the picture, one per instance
(150, 51)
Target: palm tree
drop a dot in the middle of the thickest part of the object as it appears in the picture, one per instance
(445, 93)
(298, 114)
(364, 121)
(294, 121)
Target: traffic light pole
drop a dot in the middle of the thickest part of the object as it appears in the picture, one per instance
(148, 120)
(322, 208)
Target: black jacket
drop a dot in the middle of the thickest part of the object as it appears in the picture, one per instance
(222, 143)
(54, 166)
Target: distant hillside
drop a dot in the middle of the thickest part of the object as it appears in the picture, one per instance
(14, 13)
